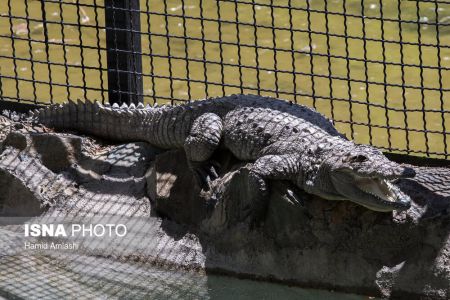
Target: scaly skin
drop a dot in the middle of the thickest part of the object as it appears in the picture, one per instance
(286, 142)
(435, 180)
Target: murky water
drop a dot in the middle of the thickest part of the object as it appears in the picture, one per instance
(275, 74)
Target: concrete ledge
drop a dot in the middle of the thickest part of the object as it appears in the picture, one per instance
(323, 244)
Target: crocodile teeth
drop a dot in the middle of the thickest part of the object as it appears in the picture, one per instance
(382, 189)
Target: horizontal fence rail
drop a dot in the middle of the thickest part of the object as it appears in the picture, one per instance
(379, 69)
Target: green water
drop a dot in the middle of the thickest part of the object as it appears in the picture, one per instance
(220, 287)
(66, 49)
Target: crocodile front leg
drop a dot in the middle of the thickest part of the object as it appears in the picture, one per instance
(203, 140)
(276, 167)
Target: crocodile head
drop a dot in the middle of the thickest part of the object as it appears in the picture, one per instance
(365, 176)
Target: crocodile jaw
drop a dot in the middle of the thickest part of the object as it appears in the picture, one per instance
(372, 192)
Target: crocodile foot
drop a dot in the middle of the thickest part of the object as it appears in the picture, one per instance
(204, 173)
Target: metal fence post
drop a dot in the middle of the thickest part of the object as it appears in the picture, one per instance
(123, 43)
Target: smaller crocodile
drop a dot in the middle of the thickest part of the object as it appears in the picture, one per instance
(285, 141)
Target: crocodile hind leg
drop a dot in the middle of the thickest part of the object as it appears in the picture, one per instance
(203, 140)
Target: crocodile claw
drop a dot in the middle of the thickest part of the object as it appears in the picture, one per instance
(292, 198)
(204, 173)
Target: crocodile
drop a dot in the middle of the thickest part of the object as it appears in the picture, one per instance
(283, 141)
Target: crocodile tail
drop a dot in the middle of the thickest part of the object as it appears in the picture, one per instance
(436, 180)
(125, 123)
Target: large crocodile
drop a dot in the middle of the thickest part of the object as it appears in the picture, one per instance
(285, 141)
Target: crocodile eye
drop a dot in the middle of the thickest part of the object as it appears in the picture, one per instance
(358, 158)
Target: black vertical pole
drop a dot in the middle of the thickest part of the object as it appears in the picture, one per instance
(123, 43)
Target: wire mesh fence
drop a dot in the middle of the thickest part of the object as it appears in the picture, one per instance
(378, 68)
